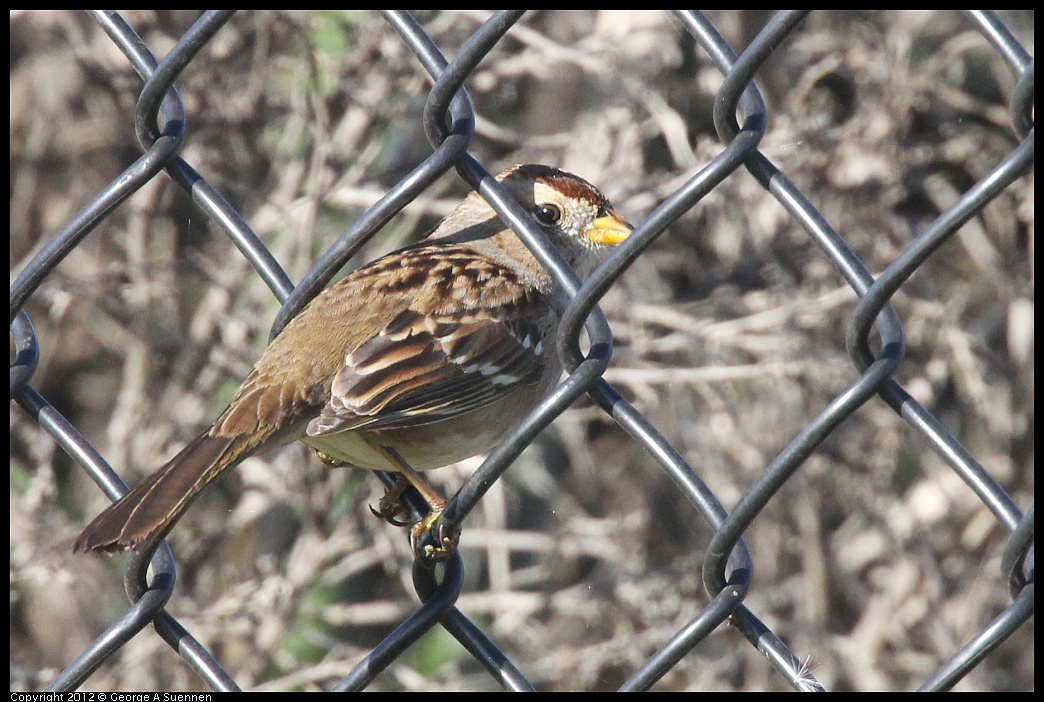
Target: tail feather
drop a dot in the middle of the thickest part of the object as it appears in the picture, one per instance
(147, 513)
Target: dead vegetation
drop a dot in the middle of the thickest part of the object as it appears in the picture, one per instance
(875, 560)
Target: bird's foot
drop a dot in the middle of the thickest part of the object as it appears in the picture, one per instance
(431, 539)
(392, 508)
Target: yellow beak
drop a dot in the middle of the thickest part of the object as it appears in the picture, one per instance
(610, 229)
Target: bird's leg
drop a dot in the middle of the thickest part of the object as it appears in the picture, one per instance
(428, 536)
(391, 508)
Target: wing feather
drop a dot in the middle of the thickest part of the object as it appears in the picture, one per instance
(480, 343)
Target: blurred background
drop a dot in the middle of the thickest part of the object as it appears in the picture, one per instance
(875, 561)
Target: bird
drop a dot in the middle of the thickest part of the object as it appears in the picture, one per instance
(422, 358)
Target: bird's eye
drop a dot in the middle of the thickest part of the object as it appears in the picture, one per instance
(548, 215)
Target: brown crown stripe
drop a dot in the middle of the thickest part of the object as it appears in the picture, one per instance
(566, 183)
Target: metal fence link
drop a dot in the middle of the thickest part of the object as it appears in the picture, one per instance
(719, 521)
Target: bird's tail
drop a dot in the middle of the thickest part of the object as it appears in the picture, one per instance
(147, 513)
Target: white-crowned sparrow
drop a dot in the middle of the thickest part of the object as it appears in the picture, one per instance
(417, 360)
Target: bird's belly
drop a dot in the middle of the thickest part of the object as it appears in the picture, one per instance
(423, 448)
(437, 444)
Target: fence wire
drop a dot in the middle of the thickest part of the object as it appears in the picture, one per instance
(673, 195)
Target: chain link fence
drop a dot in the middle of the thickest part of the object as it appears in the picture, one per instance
(864, 455)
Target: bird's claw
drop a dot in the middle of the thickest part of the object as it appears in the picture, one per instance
(393, 512)
(391, 508)
(432, 540)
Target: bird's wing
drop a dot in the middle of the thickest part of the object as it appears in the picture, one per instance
(475, 341)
